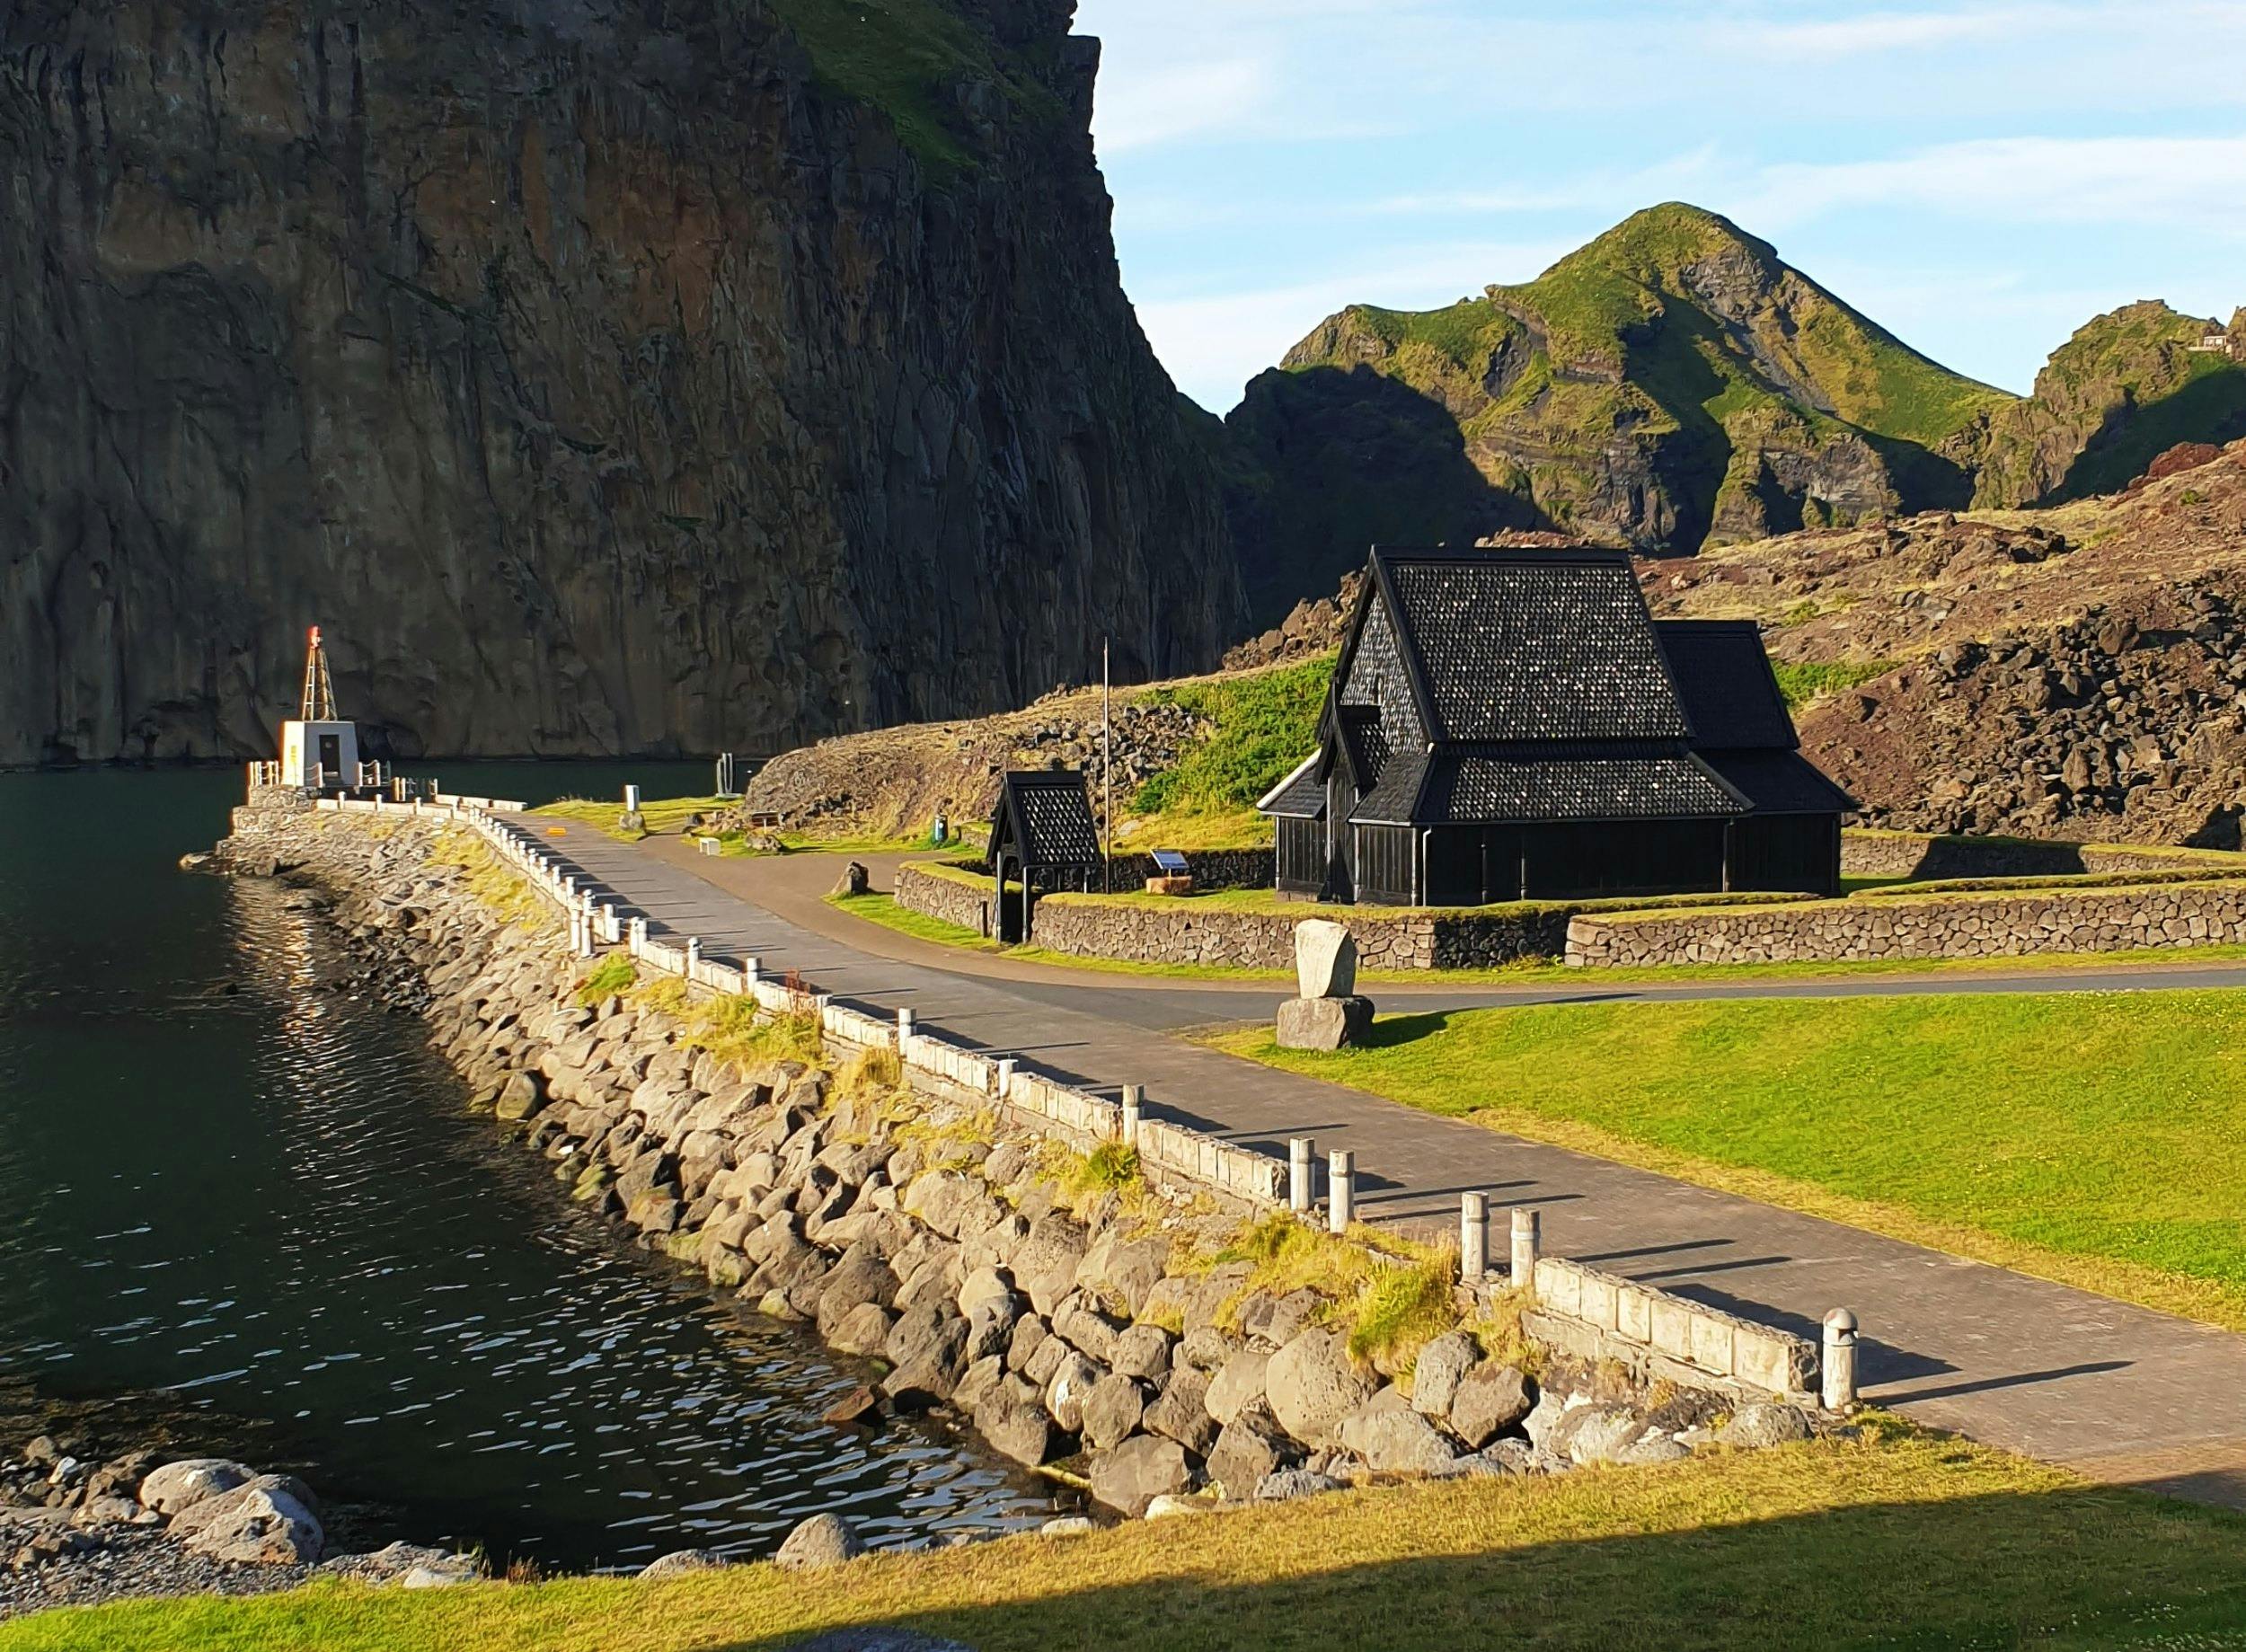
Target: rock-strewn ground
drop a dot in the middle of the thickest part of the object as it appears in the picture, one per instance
(1071, 1314)
(78, 1527)
(2075, 673)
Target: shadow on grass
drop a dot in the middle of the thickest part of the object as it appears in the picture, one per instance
(1915, 1562)
(1987, 1572)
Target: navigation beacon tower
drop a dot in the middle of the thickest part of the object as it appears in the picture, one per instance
(319, 749)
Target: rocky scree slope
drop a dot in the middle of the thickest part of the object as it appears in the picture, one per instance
(1670, 384)
(603, 378)
(894, 781)
(2077, 673)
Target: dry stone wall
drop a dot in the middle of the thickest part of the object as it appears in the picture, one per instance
(1967, 925)
(1195, 932)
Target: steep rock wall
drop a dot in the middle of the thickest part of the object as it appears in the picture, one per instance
(605, 379)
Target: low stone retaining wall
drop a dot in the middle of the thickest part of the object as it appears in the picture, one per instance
(1866, 853)
(1970, 925)
(932, 895)
(1213, 869)
(1196, 933)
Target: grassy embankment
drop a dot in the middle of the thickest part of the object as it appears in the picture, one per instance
(2081, 1136)
(667, 817)
(1261, 726)
(1894, 1539)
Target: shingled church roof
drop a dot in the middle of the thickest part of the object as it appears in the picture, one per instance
(1548, 693)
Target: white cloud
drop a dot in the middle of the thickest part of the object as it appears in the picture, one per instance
(2186, 182)
(1187, 100)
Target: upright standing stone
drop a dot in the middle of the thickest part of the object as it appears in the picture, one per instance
(1325, 958)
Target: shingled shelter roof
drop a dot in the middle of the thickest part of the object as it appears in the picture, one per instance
(1043, 820)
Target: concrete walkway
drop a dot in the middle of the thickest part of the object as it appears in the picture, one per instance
(2119, 1391)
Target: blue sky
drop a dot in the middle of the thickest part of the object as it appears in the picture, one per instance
(1980, 178)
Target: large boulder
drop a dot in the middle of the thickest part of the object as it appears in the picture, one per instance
(859, 1278)
(177, 1485)
(1325, 958)
(1312, 1385)
(1237, 1384)
(1763, 1425)
(1490, 1398)
(1435, 1375)
(1014, 1420)
(822, 1540)
(928, 1347)
(266, 1522)
(1323, 1023)
(1597, 1433)
(1394, 1439)
(1069, 1387)
(1113, 1411)
(1181, 1411)
(1045, 1264)
(1137, 1471)
(1251, 1447)
(1142, 1351)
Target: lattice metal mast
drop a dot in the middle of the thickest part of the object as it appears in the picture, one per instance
(319, 699)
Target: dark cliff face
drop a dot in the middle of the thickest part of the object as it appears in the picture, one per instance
(603, 378)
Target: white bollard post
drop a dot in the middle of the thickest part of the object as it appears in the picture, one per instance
(1838, 1368)
(608, 923)
(631, 800)
(1132, 1103)
(752, 970)
(1527, 1237)
(1004, 1065)
(694, 954)
(1473, 1237)
(639, 936)
(1302, 1158)
(904, 1025)
(1340, 1190)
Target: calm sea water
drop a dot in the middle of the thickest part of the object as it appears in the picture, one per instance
(255, 1216)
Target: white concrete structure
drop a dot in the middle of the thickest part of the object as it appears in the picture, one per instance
(318, 748)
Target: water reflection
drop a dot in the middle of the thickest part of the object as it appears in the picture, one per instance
(269, 1210)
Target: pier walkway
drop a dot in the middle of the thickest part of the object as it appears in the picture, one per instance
(2116, 1391)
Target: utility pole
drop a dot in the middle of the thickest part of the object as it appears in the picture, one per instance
(1106, 776)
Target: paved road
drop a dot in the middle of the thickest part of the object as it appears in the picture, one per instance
(2119, 1391)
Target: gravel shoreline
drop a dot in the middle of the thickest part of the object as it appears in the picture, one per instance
(79, 1527)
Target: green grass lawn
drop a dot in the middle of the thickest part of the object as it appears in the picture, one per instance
(668, 816)
(1896, 1539)
(2089, 1138)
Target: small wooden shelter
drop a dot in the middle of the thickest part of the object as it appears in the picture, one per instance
(1042, 827)
(1513, 724)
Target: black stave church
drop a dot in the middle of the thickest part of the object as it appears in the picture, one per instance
(1514, 725)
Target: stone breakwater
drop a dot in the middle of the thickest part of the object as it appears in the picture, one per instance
(1962, 926)
(1123, 1336)
(78, 1526)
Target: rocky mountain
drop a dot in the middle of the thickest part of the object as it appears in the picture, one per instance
(604, 377)
(2123, 389)
(1672, 383)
